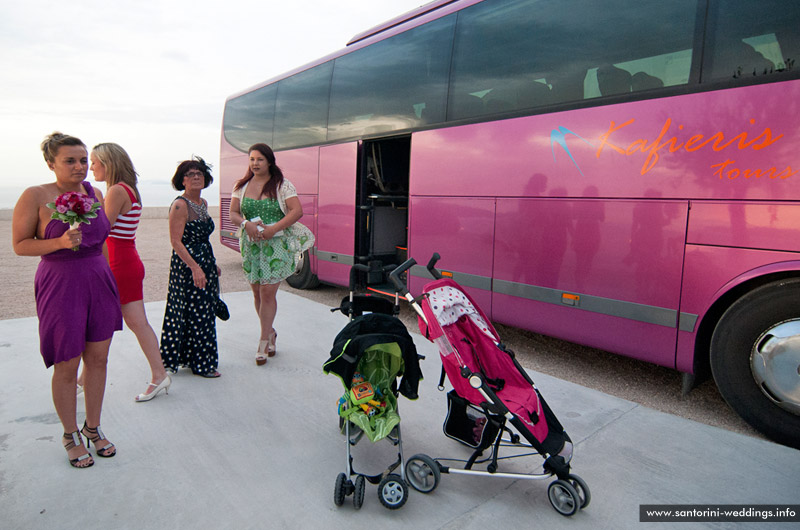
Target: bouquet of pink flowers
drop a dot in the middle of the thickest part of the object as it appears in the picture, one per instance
(74, 208)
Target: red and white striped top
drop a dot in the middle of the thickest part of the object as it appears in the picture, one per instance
(126, 224)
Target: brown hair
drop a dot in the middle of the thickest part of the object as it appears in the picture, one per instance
(55, 141)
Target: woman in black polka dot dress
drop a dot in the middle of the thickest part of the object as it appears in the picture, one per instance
(189, 333)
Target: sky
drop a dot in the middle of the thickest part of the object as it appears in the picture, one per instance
(151, 75)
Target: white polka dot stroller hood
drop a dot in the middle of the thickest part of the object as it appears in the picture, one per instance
(449, 304)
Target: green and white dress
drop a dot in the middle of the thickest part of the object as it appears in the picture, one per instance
(273, 260)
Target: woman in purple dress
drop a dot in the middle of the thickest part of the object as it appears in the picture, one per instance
(76, 295)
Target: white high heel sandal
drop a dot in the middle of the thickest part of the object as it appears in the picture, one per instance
(163, 385)
(261, 356)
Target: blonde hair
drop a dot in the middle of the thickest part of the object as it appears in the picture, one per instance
(55, 141)
(119, 167)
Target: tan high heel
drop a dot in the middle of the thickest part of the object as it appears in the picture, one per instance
(271, 349)
(261, 356)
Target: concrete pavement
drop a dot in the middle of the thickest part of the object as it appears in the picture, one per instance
(259, 447)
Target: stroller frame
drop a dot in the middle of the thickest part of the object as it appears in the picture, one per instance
(392, 487)
(568, 493)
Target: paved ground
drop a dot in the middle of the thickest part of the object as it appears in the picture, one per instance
(259, 447)
(643, 383)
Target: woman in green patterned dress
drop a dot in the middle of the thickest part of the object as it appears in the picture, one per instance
(265, 206)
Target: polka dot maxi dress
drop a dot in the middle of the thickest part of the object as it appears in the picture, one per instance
(189, 333)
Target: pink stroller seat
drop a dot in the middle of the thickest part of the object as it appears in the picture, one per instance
(475, 341)
(467, 339)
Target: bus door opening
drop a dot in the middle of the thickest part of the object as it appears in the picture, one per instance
(382, 208)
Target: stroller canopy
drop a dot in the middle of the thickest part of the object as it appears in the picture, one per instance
(364, 333)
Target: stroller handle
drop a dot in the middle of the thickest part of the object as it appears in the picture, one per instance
(399, 285)
(431, 266)
(353, 272)
(360, 267)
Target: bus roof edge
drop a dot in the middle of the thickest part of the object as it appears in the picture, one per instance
(405, 17)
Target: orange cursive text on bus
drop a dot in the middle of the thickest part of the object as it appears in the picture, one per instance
(732, 173)
(654, 148)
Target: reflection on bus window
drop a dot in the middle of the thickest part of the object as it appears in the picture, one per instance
(647, 73)
(509, 56)
(391, 85)
(249, 118)
(751, 38)
(301, 111)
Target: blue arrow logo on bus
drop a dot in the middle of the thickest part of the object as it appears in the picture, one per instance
(559, 136)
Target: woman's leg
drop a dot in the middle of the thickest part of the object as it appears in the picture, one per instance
(65, 400)
(266, 306)
(95, 361)
(136, 320)
(256, 297)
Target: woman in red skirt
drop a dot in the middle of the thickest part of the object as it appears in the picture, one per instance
(112, 165)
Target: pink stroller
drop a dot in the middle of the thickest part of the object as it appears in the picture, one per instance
(491, 393)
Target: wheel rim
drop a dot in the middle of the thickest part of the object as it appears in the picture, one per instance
(421, 475)
(392, 492)
(563, 497)
(775, 363)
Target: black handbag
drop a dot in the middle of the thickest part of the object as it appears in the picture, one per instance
(221, 309)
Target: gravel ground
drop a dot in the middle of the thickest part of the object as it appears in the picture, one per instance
(648, 385)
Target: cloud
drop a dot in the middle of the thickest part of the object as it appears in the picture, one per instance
(150, 75)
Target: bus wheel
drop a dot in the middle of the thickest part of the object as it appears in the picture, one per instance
(303, 278)
(755, 359)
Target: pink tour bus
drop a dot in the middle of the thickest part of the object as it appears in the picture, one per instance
(617, 174)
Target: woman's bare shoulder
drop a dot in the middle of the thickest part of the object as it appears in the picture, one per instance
(42, 193)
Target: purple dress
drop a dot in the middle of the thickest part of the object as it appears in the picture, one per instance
(76, 294)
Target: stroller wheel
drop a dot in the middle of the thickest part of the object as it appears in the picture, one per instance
(422, 472)
(564, 498)
(582, 488)
(393, 491)
(339, 489)
(358, 492)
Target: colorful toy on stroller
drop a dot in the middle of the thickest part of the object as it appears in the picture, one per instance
(369, 355)
(491, 393)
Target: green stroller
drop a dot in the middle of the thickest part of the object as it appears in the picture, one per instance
(376, 360)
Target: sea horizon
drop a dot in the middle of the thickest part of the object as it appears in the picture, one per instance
(154, 193)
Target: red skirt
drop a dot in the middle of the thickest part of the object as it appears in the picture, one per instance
(127, 267)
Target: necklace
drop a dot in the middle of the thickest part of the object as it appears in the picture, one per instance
(199, 209)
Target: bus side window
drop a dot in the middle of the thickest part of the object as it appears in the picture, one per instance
(612, 80)
(644, 81)
(748, 61)
(500, 99)
(750, 38)
(534, 94)
(567, 86)
(467, 106)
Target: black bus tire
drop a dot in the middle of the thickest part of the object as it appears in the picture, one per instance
(740, 339)
(303, 278)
